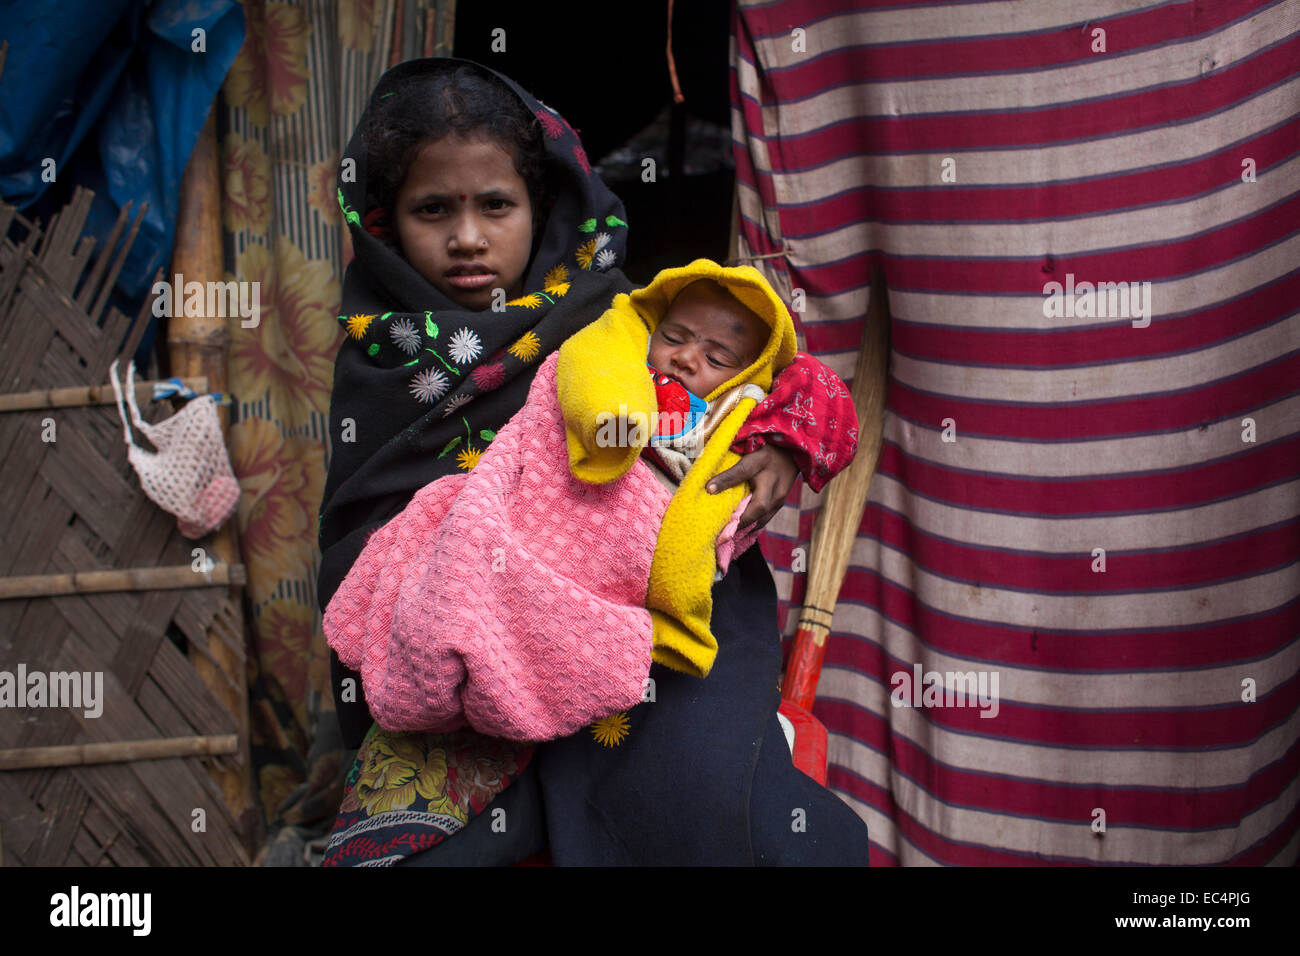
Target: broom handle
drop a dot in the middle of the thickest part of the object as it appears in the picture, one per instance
(805, 666)
(846, 498)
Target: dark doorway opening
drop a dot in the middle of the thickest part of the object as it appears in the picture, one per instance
(603, 66)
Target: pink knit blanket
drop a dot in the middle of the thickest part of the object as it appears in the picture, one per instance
(510, 598)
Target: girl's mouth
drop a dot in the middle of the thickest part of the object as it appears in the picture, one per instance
(472, 281)
(471, 277)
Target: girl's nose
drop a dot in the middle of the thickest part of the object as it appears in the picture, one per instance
(467, 236)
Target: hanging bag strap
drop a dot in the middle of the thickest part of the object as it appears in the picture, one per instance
(121, 411)
(136, 417)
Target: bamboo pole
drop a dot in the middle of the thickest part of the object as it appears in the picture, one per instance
(171, 578)
(119, 751)
(198, 346)
(197, 341)
(87, 395)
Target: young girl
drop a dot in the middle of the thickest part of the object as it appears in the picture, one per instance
(482, 242)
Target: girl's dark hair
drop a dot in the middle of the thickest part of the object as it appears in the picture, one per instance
(462, 100)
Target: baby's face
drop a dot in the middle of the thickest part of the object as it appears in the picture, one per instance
(705, 338)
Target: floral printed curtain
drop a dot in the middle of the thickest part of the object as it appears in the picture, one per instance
(288, 106)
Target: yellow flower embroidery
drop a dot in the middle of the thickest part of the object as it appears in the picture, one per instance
(586, 253)
(611, 730)
(468, 457)
(557, 280)
(358, 324)
(528, 301)
(527, 347)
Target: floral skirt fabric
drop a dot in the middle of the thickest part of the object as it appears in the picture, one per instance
(406, 793)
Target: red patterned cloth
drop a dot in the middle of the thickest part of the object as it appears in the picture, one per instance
(809, 412)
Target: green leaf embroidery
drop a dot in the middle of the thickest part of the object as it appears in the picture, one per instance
(450, 368)
(373, 350)
(614, 221)
(384, 317)
(587, 226)
(487, 434)
(430, 329)
(348, 212)
(413, 361)
(450, 445)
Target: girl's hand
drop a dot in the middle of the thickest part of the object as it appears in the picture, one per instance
(770, 471)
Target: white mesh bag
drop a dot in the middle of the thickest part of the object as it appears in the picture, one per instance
(189, 475)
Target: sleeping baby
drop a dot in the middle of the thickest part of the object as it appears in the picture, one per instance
(706, 337)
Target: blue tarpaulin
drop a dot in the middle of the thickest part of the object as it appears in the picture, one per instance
(115, 93)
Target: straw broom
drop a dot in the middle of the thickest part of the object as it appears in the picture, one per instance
(836, 527)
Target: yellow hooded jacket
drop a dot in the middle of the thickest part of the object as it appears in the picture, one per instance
(601, 373)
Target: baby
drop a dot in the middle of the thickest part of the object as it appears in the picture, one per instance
(713, 339)
(706, 337)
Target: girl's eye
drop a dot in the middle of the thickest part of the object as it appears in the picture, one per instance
(431, 209)
(717, 363)
(497, 204)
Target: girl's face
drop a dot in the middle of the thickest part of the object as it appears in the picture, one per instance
(464, 220)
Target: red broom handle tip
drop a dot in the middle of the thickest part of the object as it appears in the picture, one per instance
(804, 669)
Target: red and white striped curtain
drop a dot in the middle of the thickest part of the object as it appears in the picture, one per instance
(1090, 502)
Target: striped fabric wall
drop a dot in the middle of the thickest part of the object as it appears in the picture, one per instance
(1155, 693)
